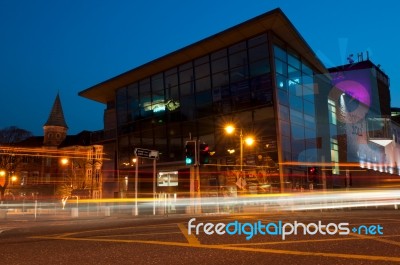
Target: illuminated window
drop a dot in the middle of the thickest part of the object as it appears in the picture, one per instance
(89, 173)
(332, 111)
(335, 156)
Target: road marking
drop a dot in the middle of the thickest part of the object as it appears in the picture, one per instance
(389, 219)
(311, 241)
(377, 238)
(143, 234)
(192, 239)
(6, 228)
(65, 235)
(291, 242)
(222, 247)
(111, 229)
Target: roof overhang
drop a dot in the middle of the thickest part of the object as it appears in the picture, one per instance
(274, 21)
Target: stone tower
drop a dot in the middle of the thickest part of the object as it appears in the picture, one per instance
(55, 129)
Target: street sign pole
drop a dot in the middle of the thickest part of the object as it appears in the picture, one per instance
(154, 187)
(149, 154)
(136, 186)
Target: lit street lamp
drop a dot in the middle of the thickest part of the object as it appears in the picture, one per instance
(2, 176)
(230, 129)
(64, 161)
(13, 179)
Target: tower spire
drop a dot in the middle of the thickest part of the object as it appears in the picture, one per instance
(56, 117)
(55, 129)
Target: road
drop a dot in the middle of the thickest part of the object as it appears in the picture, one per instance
(165, 240)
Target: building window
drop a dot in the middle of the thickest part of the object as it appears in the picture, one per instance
(332, 111)
(89, 174)
(335, 156)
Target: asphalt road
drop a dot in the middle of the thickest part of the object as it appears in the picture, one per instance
(165, 240)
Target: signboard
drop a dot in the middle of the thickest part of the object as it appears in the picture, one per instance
(146, 153)
(167, 179)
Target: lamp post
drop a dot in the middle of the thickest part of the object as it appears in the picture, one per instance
(241, 150)
(93, 170)
(248, 140)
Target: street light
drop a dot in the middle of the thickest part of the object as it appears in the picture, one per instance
(64, 161)
(13, 179)
(2, 177)
(230, 129)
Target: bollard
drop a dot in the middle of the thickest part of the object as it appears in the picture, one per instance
(75, 212)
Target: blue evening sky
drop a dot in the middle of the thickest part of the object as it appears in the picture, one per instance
(53, 46)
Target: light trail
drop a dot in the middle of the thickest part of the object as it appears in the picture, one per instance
(262, 203)
(43, 152)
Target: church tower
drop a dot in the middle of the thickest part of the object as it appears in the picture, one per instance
(55, 129)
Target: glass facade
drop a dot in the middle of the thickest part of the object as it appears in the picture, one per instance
(295, 94)
(260, 87)
(196, 99)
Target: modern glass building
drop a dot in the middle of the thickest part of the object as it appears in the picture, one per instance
(259, 76)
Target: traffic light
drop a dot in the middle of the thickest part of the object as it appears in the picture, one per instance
(312, 174)
(190, 153)
(204, 154)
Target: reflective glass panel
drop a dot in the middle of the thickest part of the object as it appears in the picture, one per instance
(281, 67)
(296, 117)
(296, 102)
(280, 53)
(281, 82)
(294, 61)
(258, 52)
(259, 68)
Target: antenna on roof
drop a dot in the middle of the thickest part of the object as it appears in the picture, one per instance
(360, 57)
(350, 58)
